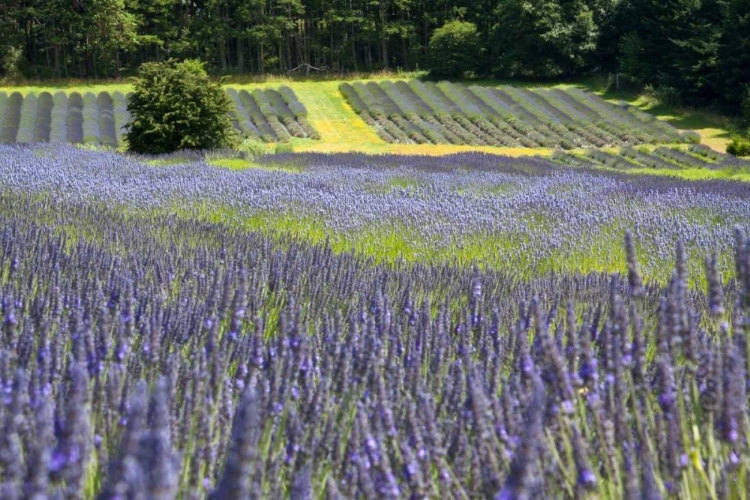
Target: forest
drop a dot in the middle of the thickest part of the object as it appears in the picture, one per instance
(694, 52)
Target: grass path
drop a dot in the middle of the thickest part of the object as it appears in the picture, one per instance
(332, 117)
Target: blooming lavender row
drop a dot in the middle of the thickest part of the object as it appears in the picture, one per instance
(526, 213)
(154, 356)
(503, 116)
(663, 158)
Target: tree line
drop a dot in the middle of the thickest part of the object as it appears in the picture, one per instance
(695, 50)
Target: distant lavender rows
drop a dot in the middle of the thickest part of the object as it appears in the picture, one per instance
(531, 209)
(99, 119)
(447, 113)
(696, 156)
(91, 119)
(270, 115)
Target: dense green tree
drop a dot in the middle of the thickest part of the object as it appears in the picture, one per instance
(673, 43)
(733, 62)
(455, 49)
(175, 106)
(697, 50)
(544, 38)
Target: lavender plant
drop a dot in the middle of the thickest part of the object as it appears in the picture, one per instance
(331, 379)
(43, 121)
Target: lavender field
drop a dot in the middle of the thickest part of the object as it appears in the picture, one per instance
(99, 119)
(352, 326)
(416, 112)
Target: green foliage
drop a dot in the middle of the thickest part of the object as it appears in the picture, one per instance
(175, 106)
(12, 59)
(739, 146)
(732, 73)
(454, 49)
(544, 38)
(746, 106)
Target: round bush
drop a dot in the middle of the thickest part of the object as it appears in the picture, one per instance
(176, 106)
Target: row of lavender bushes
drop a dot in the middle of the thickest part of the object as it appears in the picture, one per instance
(99, 119)
(271, 115)
(696, 156)
(154, 356)
(448, 113)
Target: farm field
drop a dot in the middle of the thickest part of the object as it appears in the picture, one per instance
(341, 129)
(448, 113)
(525, 293)
(98, 119)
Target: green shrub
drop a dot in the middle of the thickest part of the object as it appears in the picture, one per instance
(740, 146)
(252, 148)
(454, 49)
(175, 106)
(284, 148)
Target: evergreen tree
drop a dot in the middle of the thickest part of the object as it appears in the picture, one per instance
(544, 38)
(175, 106)
(733, 66)
(455, 49)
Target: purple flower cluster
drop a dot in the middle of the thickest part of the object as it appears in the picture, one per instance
(531, 210)
(149, 355)
(204, 360)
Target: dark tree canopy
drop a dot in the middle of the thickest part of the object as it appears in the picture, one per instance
(544, 38)
(698, 49)
(175, 106)
(455, 49)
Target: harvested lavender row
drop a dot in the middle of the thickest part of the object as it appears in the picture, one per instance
(267, 133)
(122, 115)
(99, 119)
(285, 114)
(3, 100)
(91, 129)
(26, 124)
(107, 131)
(271, 115)
(245, 125)
(299, 110)
(59, 124)
(75, 118)
(662, 158)
(506, 116)
(43, 122)
(11, 119)
(162, 357)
